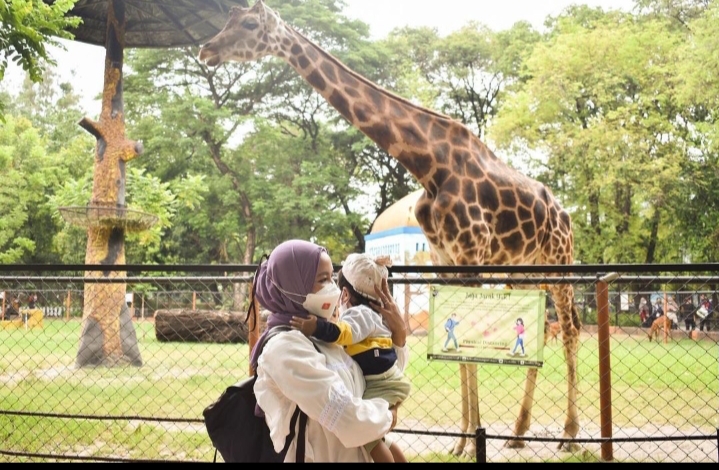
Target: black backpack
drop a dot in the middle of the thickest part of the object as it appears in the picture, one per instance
(238, 434)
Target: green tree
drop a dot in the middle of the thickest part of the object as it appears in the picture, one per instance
(27, 26)
(597, 120)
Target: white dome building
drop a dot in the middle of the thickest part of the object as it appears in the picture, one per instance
(396, 233)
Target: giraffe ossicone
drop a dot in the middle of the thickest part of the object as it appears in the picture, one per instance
(475, 210)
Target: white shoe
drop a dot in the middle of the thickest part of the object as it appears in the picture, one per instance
(444, 349)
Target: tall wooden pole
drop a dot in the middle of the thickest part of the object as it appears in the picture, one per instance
(105, 312)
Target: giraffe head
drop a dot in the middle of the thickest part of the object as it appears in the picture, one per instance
(250, 33)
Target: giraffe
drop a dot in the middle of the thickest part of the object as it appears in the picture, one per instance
(475, 209)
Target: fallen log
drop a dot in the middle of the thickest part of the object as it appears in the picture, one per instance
(200, 326)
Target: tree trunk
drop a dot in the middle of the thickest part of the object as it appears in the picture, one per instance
(200, 326)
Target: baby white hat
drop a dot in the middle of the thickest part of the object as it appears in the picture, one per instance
(363, 272)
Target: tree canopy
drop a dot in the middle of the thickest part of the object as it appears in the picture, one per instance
(614, 111)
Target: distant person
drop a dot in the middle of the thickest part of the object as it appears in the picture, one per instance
(12, 309)
(687, 312)
(31, 301)
(672, 311)
(704, 312)
(645, 313)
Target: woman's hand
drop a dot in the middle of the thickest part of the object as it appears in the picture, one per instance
(389, 310)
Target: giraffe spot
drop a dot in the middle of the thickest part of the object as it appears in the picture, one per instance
(459, 158)
(540, 213)
(422, 213)
(450, 228)
(381, 134)
(261, 47)
(438, 132)
(488, 217)
(466, 240)
(553, 213)
(513, 243)
(411, 136)
(488, 196)
(494, 245)
(376, 98)
(286, 42)
(458, 135)
(329, 71)
(397, 110)
(477, 231)
(475, 213)
(340, 103)
(351, 92)
(423, 121)
(509, 199)
(506, 222)
(349, 80)
(452, 185)
(318, 82)
(296, 49)
(362, 112)
(526, 198)
(431, 188)
(529, 248)
(523, 213)
(460, 211)
(440, 153)
(469, 191)
(566, 222)
(473, 170)
(303, 61)
(503, 258)
(528, 229)
(312, 54)
(251, 43)
(440, 175)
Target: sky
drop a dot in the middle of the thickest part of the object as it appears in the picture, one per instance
(82, 64)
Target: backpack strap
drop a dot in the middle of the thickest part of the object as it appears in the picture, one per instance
(301, 439)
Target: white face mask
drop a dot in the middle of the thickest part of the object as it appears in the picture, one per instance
(323, 302)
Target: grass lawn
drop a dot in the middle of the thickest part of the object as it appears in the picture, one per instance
(655, 387)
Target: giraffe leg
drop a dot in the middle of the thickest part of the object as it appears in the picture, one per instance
(524, 419)
(564, 301)
(470, 449)
(464, 421)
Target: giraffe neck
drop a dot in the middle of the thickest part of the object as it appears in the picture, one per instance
(417, 137)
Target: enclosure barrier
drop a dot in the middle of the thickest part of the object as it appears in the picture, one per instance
(640, 398)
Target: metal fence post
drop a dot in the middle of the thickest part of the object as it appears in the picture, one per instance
(605, 368)
(481, 445)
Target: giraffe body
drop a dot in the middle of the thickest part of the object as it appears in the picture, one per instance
(475, 210)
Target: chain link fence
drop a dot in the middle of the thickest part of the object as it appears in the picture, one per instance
(124, 376)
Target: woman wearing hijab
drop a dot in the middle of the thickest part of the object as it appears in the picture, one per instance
(296, 280)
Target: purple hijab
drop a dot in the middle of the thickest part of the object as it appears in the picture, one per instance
(292, 266)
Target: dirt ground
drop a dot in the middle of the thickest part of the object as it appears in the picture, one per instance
(680, 450)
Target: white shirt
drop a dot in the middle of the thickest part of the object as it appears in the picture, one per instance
(328, 387)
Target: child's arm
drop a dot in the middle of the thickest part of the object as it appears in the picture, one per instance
(321, 329)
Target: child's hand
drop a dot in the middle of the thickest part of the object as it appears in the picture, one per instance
(307, 326)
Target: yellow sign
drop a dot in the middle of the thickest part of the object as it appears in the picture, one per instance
(494, 326)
